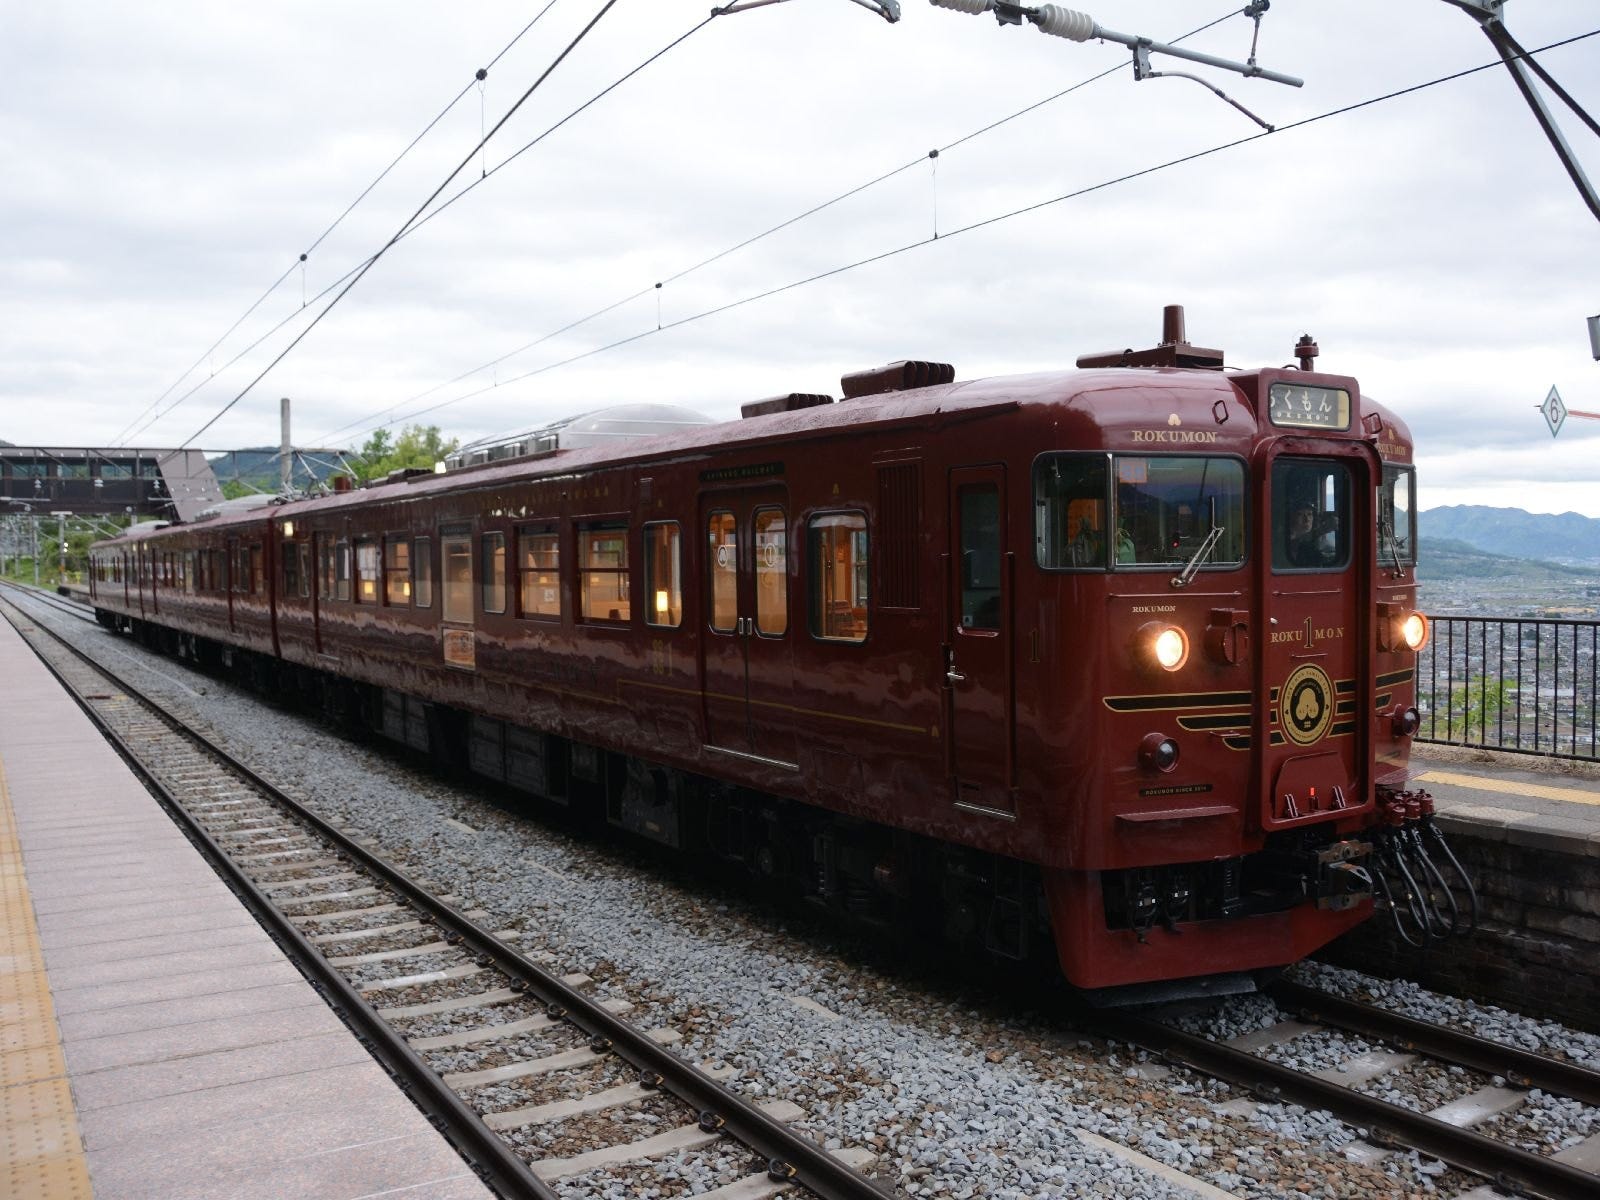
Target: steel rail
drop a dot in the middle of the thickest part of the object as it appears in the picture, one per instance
(1390, 1125)
(789, 1155)
(491, 1158)
(1521, 1067)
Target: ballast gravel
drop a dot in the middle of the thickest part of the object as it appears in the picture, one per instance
(960, 1094)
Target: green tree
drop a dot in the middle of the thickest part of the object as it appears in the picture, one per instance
(417, 446)
(1479, 703)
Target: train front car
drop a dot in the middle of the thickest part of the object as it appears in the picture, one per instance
(1229, 612)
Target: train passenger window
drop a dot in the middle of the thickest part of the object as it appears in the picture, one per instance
(455, 552)
(1397, 521)
(837, 544)
(1310, 515)
(1069, 512)
(325, 568)
(1171, 509)
(341, 569)
(980, 557)
(302, 551)
(492, 572)
(396, 569)
(722, 563)
(422, 572)
(187, 571)
(539, 571)
(241, 571)
(663, 560)
(258, 578)
(291, 569)
(368, 569)
(772, 571)
(603, 572)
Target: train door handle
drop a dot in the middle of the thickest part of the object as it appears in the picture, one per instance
(954, 676)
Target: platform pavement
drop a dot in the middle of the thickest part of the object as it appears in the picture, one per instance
(154, 1042)
(1545, 803)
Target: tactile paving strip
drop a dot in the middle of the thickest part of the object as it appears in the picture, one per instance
(38, 1123)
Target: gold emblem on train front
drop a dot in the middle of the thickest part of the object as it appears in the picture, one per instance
(1305, 705)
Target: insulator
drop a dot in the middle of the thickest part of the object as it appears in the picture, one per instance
(967, 6)
(1064, 22)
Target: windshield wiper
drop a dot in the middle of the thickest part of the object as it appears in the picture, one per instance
(1186, 576)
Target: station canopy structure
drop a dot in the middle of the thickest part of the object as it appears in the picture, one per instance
(172, 485)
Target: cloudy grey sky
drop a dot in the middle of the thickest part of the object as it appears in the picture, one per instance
(165, 163)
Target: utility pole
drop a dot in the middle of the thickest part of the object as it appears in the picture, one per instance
(285, 448)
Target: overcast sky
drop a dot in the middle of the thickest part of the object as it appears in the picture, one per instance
(166, 163)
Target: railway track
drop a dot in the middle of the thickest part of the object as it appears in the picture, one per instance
(455, 1012)
(1444, 1133)
(52, 600)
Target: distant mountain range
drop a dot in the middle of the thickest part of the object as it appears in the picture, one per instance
(1445, 558)
(1510, 532)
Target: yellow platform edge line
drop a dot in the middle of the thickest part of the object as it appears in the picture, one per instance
(1510, 787)
(38, 1119)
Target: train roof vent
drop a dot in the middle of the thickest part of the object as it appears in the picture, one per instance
(1174, 350)
(401, 474)
(782, 404)
(603, 427)
(896, 377)
(238, 504)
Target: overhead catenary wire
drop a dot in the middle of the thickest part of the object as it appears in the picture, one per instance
(129, 431)
(943, 238)
(738, 246)
(344, 291)
(418, 224)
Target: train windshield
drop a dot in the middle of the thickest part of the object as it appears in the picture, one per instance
(1310, 515)
(1101, 512)
(1397, 520)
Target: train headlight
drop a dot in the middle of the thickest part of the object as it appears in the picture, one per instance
(1158, 752)
(1169, 649)
(1414, 631)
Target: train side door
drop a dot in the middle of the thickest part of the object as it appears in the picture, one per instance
(1315, 660)
(979, 641)
(748, 665)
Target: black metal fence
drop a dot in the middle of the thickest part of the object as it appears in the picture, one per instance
(1506, 683)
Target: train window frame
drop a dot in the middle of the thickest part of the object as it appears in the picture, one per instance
(1200, 522)
(778, 567)
(1396, 552)
(302, 550)
(534, 576)
(492, 571)
(981, 547)
(291, 568)
(422, 572)
(1093, 554)
(369, 571)
(662, 545)
(822, 603)
(341, 569)
(326, 570)
(396, 570)
(456, 542)
(590, 575)
(721, 603)
(1287, 495)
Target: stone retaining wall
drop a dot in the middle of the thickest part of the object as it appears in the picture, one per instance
(1537, 948)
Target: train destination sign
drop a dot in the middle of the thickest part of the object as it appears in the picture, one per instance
(1305, 407)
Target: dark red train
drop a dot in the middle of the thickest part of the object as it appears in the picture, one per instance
(1119, 659)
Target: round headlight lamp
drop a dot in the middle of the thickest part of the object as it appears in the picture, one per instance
(1414, 631)
(1158, 752)
(1169, 648)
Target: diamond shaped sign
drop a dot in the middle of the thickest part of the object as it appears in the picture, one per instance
(1555, 412)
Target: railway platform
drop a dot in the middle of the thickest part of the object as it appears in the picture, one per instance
(153, 1039)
